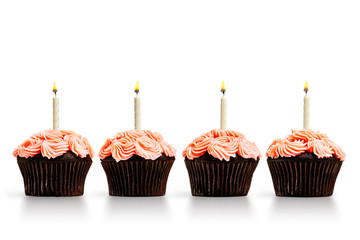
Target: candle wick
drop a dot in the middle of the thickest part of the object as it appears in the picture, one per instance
(223, 91)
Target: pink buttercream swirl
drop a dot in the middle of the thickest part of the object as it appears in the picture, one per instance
(300, 141)
(147, 148)
(54, 143)
(123, 148)
(222, 144)
(144, 143)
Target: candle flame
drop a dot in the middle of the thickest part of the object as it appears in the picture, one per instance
(306, 87)
(54, 88)
(223, 87)
(137, 87)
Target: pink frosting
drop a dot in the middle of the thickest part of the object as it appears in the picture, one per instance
(199, 146)
(300, 141)
(122, 148)
(54, 143)
(147, 148)
(144, 143)
(167, 149)
(222, 144)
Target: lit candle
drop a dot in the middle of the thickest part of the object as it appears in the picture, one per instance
(137, 107)
(55, 109)
(306, 107)
(223, 108)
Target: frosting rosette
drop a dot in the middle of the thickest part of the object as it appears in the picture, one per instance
(147, 148)
(167, 149)
(54, 143)
(199, 146)
(144, 143)
(247, 149)
(222, 144)
(306, 140)
(123, 148)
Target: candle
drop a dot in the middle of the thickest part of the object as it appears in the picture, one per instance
(306, 107)
(223, 108)
(137, 108)
(55, 109)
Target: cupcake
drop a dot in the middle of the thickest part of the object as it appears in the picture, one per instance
(221, 163)
(304, 164)
(54, 163)
(137, 163)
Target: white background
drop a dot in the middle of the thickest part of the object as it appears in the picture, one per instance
(179, 51)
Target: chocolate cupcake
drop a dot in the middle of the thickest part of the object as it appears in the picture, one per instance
(137, 163)
(221, 163)
(54, 163)
(304, 164)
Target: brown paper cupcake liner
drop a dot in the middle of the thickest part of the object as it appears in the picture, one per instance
(297, 177)
(137, 176)
(214, 178)
(52, 177)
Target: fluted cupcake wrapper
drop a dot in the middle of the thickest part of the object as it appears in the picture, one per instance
(53, 177)
(138, 177)
(304, 178)
(220, 178)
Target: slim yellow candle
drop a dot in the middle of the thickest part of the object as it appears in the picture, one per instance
(306, 122)
(223, 108)
(137, 107)
(55, 109)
